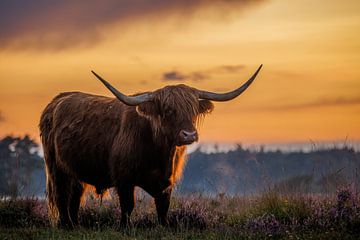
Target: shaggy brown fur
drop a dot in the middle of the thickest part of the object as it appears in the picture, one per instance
(100, 141)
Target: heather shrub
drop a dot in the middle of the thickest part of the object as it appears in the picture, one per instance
(269, 215)
(23, 213)
(193, 212)
(99, 217)
(188, 214)
(284, 208)
(266, 224)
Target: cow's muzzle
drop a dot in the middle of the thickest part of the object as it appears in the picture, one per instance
(186, 137)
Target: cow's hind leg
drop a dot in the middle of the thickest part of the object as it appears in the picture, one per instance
(61, 196)
(77, 191)
(127, 203)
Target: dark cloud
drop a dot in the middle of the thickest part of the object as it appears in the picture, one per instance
(177, 76)
(174, 76)
(197, 76)
(200, 75)
(60, 24)
(324, 102)
(230, 68)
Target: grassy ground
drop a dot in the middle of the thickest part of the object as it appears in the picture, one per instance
(270, 216)
(158, 233)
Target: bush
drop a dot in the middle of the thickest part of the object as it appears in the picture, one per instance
(23, 213)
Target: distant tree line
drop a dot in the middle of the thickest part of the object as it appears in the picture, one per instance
(241, 171)
(244, 171)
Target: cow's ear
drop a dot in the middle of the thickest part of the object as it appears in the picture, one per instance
(205, 106)
(147, 109)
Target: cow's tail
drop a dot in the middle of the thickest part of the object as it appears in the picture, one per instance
(47, 139)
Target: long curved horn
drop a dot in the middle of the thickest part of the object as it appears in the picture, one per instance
(221, 97)
(128, 100)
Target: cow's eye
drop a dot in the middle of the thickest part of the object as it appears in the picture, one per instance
(169, 112)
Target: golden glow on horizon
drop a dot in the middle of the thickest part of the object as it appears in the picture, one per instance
(309, 87)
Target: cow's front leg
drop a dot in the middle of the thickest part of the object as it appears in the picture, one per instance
(162, 202)
(127, 203)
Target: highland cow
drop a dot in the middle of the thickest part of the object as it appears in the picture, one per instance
(121, 142)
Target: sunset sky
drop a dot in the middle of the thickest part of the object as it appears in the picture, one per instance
(308, 89)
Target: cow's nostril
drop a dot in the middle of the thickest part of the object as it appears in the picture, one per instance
(188, 135)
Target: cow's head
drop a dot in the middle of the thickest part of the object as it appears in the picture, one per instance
(174, 111)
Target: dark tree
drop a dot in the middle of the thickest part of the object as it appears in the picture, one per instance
(19, 160)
